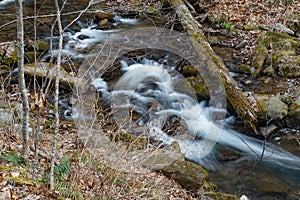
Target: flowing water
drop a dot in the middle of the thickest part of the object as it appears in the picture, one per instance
(149, 89)
(159, 96)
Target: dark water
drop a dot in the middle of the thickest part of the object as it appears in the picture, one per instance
(45, 10)
(232, 173)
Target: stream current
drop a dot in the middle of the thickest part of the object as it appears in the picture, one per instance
(237, 163)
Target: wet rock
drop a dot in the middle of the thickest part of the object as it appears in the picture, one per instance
(297, 96)
(270, 106)
(171, 163)
(266, 131)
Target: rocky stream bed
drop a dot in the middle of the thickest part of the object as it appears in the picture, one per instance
(265, 62)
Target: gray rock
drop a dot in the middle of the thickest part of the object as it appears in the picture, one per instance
(172, 164)
(297, 96)
(283, 28)
(271, 106)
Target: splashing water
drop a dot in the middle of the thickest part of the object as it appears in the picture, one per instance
(150, 89)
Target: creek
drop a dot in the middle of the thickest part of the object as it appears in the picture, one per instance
(152, 88)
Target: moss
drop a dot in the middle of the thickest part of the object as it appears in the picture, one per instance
(280, 41)
(278, 55)
(189, 71)
(244, 68)
(227, 25)
(4, 68)
(21, 181)
(30, 56)
(12, 59)
(213, 40)
(199, 87)
(269, 71)
(221, 196)
(188, 174)
(41, 46)
(259, 56)
(294, 110)
(249, 27)
(208, 187)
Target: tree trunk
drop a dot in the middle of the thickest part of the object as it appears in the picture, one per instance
(25, 116)
(233, 92)
(56, 131)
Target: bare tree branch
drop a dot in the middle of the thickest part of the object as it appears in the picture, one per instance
(25, 116)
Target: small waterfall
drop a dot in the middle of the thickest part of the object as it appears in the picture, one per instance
(151, 90)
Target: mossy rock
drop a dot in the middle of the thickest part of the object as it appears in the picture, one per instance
(39, 46)
(199, 87)
(188, 174)
(104, 15)
(283, 59)
(293, 116)
(271, 106)
(270, 71)
(221, 196)
(289, 66)
(279, 41)
(189, 71)
(30, 56)
(170, 162)
(278, 56)
(244, 68)
(11, 59)
(258, 59)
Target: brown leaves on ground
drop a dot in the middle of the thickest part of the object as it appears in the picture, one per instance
(255, 13)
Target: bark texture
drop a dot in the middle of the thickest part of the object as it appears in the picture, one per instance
(21, 78)
(216, 66)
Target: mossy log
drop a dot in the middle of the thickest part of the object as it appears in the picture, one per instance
(216, 65)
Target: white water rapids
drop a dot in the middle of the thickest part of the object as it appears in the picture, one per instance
(150, 90)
